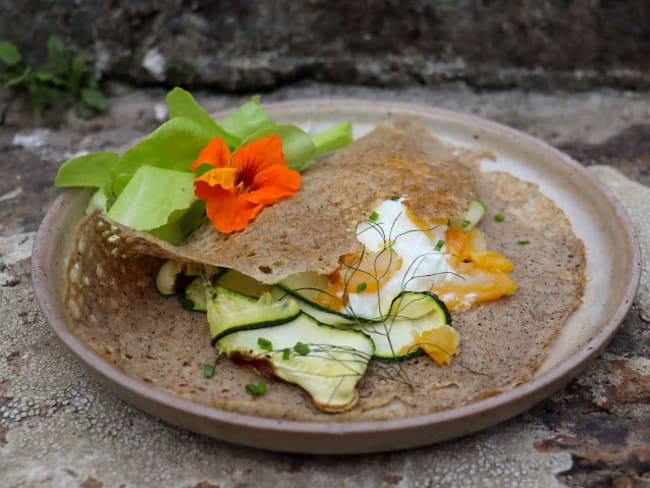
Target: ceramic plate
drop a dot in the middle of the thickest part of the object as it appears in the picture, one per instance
(597, 218)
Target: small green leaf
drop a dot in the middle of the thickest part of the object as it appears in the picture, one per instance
(44, 74)
(154, 197)
(247, 119)
(42, 96)
(466, 223)
(256, 390)
(499, 217)
(182, 104)
(374, 216)
(94, 99)
(95, 170)
(361, 286)
(264, 344)
(19, 79)
(301, 348)
(333, 138)
(9, 53)
(286, 354)
(208, 370)
(74, 77)
(57, 53)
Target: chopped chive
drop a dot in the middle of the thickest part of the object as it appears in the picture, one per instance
(361, 286)
(208, 370)
(301, 348)
(286, 354)
(499, 217)
(373, 217)
(395, 199)
(222, 355)
(256, 390)
(523, 242)
(264, 344)
(439, 245)
(466, 223)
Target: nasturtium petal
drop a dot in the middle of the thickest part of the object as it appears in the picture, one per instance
(273, 184)
(174, 145)
(247, 120)
(223, 177)
(259, 154)
(297, 146)
(182, 104)
(89, 170)
(333, 138)
(153, 198)
(215, 154)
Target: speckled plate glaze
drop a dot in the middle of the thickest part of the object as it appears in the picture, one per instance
(597, 218)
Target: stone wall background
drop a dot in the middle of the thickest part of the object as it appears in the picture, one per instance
(248, 45)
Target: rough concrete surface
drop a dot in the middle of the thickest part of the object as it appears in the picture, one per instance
(238, 45)
(59, 427)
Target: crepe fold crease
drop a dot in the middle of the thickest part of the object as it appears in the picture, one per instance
(113, 306)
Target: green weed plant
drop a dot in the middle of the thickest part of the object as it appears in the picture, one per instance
(64, 78)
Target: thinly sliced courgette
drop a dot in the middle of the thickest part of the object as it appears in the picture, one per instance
(308, 287)
(410, 313)
(236, 281)
(327, 362)
(474, 214)
(397, 339)
(167, 276)
(192, 298)
(173, 276)
(320, 313)
(230, 311)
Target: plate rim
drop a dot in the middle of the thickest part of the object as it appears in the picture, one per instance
(128, 388)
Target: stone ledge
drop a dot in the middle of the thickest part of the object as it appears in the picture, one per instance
(259, 45)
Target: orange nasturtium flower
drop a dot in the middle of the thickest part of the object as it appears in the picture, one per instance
(240, 185)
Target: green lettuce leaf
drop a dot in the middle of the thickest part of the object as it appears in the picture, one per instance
(182, 104)
(296, 144)
(93, 170)
(174, 145)
(177, 230)
(333, 138)
(99, 200)
(153, 198)
(247, 120)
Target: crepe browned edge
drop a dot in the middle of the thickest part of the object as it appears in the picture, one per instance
(313, 229)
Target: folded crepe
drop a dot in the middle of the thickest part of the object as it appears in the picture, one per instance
(114, 307)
